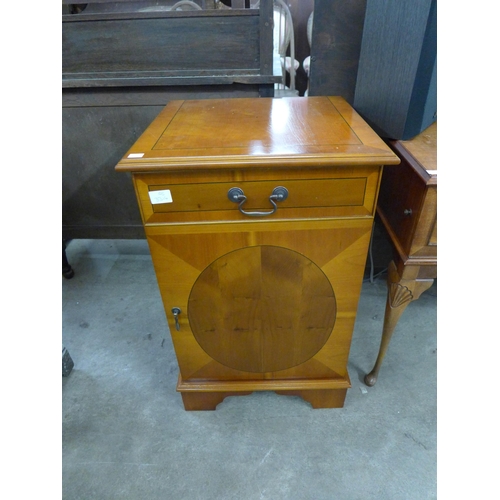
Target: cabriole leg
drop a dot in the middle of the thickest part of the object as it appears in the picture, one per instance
(400, 293)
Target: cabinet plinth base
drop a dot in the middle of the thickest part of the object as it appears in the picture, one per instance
(197, 401)
(207, 395)
(320, 398)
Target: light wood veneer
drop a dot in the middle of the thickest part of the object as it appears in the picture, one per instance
(266, 302)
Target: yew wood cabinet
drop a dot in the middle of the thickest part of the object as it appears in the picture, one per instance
(258, 213)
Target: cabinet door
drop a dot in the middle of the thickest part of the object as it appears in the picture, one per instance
(261, 300)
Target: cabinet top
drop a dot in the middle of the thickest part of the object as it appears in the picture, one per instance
(256, 132)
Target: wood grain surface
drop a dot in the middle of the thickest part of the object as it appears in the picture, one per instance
(262, 309)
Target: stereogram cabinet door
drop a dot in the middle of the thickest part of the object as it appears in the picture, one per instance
(261, 301)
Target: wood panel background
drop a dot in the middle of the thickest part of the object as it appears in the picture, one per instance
(103, 113)
(336, 44)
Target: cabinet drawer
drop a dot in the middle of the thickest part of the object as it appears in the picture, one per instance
(165, 200)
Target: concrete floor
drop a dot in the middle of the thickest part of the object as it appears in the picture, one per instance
(126, 434)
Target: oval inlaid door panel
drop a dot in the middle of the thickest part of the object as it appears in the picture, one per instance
(262, 309)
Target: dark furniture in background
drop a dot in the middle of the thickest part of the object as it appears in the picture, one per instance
(122, 62)
(336, 43)
(407, 206)
(133, 46)
(67, 270)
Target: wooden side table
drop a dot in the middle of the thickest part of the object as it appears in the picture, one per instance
(407, 206)
(258, 215)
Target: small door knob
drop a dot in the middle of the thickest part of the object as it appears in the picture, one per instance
(176, 311)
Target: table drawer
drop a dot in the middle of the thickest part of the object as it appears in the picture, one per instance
(166, 200)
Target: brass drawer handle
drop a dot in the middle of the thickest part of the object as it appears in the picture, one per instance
(236, 195)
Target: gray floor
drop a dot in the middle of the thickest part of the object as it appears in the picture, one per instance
(127, 436)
